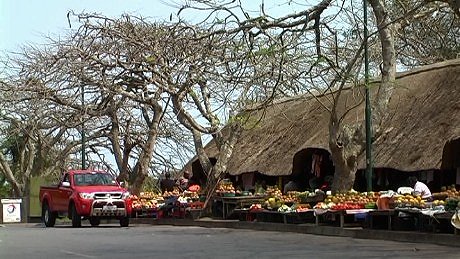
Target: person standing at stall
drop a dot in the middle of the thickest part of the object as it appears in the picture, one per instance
(167, 184)
(419, 188)
(183, 182)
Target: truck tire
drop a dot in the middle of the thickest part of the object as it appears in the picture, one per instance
(76, 219)
(48, 217)
(94, 221)
(124, 222)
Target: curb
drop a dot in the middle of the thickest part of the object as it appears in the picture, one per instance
(389, 235)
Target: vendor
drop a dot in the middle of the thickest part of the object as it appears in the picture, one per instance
(327, 184)
(290, 187)
(167, 184)
(183, 182)
(420, 188)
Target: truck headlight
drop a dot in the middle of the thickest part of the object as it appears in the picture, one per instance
(125, 195)
(85, 195)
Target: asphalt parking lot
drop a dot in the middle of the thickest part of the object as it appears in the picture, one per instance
(165, 241)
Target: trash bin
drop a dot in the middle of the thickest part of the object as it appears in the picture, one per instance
(11, 210)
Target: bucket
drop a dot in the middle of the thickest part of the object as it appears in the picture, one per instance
(383, 203)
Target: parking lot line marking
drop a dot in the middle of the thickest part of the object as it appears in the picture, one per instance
(77, 254)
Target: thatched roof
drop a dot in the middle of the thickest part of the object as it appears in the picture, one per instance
(424, 115)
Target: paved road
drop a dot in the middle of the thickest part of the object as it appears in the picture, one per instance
(146, 241)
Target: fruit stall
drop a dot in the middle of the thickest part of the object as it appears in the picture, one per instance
(269, 206)
(391, 210)
(146, 204)
(375, 210)
(229, 202)
(168, 204)
(351, 208)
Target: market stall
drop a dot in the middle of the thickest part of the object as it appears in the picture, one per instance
(351, 208)
(146, 204)
(229, 201)
(270, 206)
(168, 204)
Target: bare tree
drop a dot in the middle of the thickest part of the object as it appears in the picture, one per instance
(428, 35)
(324, 44)
(105, 60)
(33, 144)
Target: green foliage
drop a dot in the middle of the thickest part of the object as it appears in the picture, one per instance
(5, 188)
(247, 120)
(151, 184)
(266, 51)
(150, 59)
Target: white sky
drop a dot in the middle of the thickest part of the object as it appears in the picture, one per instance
(28, 21)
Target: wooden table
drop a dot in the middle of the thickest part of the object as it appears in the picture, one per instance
(337, 214)
(434, 221)
(389, 214)
(237, 202)
(283, 217)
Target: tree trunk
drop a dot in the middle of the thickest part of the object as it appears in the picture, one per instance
(201, 153)
(225, 152)
(17, 187)
(140, 173)
(386, 87)
(141, 168)
(346, 144)
(345, 171)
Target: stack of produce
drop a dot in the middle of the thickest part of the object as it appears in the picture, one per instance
(311, 197)
(146, 200)
(192, 196)
(301, 207)
(225, 188)
(274, 198)
(446, 192)
(290, 198)
(256, 207)
(175, 192)
(452, 204)
(438, 203)
(294, 208)
(349, 200)
(285, 208)
(409, 200)
(273, 191)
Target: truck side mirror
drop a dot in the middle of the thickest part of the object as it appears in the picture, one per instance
(65, 184)
(122, 184)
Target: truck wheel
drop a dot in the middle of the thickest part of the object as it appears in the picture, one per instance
(94, 221)
(76, 219)
(48, 217)
(124, 222)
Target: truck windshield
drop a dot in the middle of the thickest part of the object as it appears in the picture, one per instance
(93, 179)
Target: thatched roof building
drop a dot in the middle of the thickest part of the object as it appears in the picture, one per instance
(424, 116)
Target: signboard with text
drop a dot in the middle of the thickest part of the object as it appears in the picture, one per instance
(11, 210)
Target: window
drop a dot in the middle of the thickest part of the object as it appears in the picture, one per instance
(66, 178)
(93, 178)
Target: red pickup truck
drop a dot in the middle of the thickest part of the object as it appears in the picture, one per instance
(85, 194)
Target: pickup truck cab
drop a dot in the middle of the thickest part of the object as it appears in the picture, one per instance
(85, 194)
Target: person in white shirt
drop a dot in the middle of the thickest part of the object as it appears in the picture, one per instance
(419, 188)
